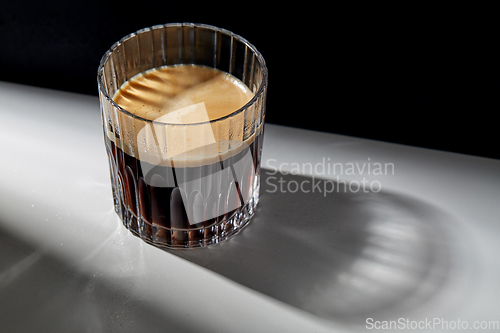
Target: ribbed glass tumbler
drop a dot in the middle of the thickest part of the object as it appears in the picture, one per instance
(183, 185)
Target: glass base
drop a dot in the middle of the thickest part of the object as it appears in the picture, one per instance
(221, 229)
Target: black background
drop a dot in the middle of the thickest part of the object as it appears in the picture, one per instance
(420, 76)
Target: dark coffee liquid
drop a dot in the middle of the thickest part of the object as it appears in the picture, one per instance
(153, 206)
(178, 185)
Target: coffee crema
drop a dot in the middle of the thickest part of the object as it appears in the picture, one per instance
(169, 93)
(186, 106)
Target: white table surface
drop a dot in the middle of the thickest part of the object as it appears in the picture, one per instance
(422, 246)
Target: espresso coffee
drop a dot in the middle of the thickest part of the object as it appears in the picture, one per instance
(185, 175)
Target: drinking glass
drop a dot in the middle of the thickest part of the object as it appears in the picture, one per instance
(183, 185)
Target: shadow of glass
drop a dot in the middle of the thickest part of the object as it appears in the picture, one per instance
(342, 256)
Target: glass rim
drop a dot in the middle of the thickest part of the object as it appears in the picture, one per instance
(252, 101)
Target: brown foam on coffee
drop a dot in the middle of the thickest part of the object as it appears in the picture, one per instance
(180, 100)
(164, 90)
